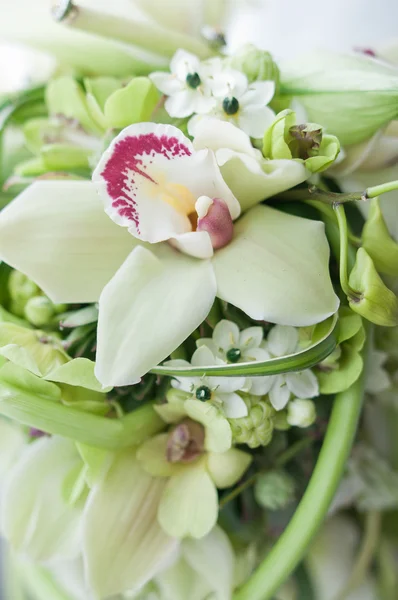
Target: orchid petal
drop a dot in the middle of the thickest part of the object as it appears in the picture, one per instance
(195, 243)
(153, 458)
(179, 582)
(58, 234)
(36, 518)
(216, 134)
(227, 468)
(189, 504)
(213, 559)
(185, 289)
(276, 269)
(123, 545)
(12, 440)
(218, 435)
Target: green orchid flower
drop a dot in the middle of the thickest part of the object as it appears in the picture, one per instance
(141, 281)
(189, 504)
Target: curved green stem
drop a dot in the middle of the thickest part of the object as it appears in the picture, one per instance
(344, 248)
(365, 556)
(293, 543)
(314, 193)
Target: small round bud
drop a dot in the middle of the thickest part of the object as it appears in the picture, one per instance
(193, 80)
(230, 105)
(233, 355)
(21, 288)
(39, 311)
(257, 65)
(256, 429)
(274, 490)
(203, 393)
(301, 413)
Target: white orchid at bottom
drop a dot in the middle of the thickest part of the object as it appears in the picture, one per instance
(158, 188)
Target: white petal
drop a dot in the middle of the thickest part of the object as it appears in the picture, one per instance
(233, 405)
(250, 338)
(255, 120)
(215, 134)
(279, 394)
(171, 297)
(261, 385)
(203, 357)
(255, 354)
(182, 104)
(183, 63)
(135, 181)
(259, 93)
(194, 243)
(229, 83)
(252, 180)
(213, 558)
(226, 385)
(36, 518)
(124, 546)
(226, 335)
(277, 269)
(165, 82)
(57, 233)
(303, 384)
(209, 343)
(282, 340)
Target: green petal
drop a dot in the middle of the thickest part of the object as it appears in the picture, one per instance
(189, 505)
(218, 435)
(170, 296)
(276, 269)
(123, 544)
(181, 581)
(213, 559)
(79, 372)
(227, 468)
(131, 104)
(59, 235)
(18, 380)
(65, 97)
(152, 457)
(36, 520)
(12, 440)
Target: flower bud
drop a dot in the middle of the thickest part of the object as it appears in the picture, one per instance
(301, 412)
(375, 301)
(21, 288)
(306, 142)
(362, 91)
(274, 490)
(256, 64)
(256, 429)
(39, 311)
(378, 242)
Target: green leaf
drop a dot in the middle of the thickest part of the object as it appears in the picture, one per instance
(16, 379)
(323, 345)
(61, 157)
(83, 316)
(65, 97)
(131, 104)
(77, 372)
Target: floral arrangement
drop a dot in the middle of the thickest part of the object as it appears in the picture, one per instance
(197, 294)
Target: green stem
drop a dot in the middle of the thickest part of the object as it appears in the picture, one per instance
(387, 572)
(314, 193)
(343, 261)
(140, 34)
(57, 419)
(365, 556)
(293, 543)
(383, 188)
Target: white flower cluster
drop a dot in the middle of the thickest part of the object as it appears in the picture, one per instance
(211, 89)
(229, 345)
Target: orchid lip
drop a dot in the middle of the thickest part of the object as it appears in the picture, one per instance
(216, 220)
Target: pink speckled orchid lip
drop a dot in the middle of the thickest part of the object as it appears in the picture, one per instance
(150, 179)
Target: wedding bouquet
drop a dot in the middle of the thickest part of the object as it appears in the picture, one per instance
(197, 293)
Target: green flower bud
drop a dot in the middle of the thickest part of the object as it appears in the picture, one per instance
(39, 311)
(363, 92)
(280, 421)
(256, 64)
(256, 429)
(284, 139)
(301, 412)
(21, 288)
(378, 242)
(274, 490)
(374, 301)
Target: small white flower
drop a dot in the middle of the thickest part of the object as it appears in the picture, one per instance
(283, 340)
(187, 86)
(301, 412)
(220, 391)
(242, 104)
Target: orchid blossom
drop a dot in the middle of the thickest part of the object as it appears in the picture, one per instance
(157, 188)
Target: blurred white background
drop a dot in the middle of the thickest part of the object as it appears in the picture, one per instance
(284, 27)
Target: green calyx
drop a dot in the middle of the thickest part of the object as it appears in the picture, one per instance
(378, 243)
(274, 490)
(256, 64)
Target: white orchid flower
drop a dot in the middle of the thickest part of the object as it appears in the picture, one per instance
(187, 86)
(58, 509)
(221, 391)
(272, 265)
(282, 341)
(239, 102)
(248, 174)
